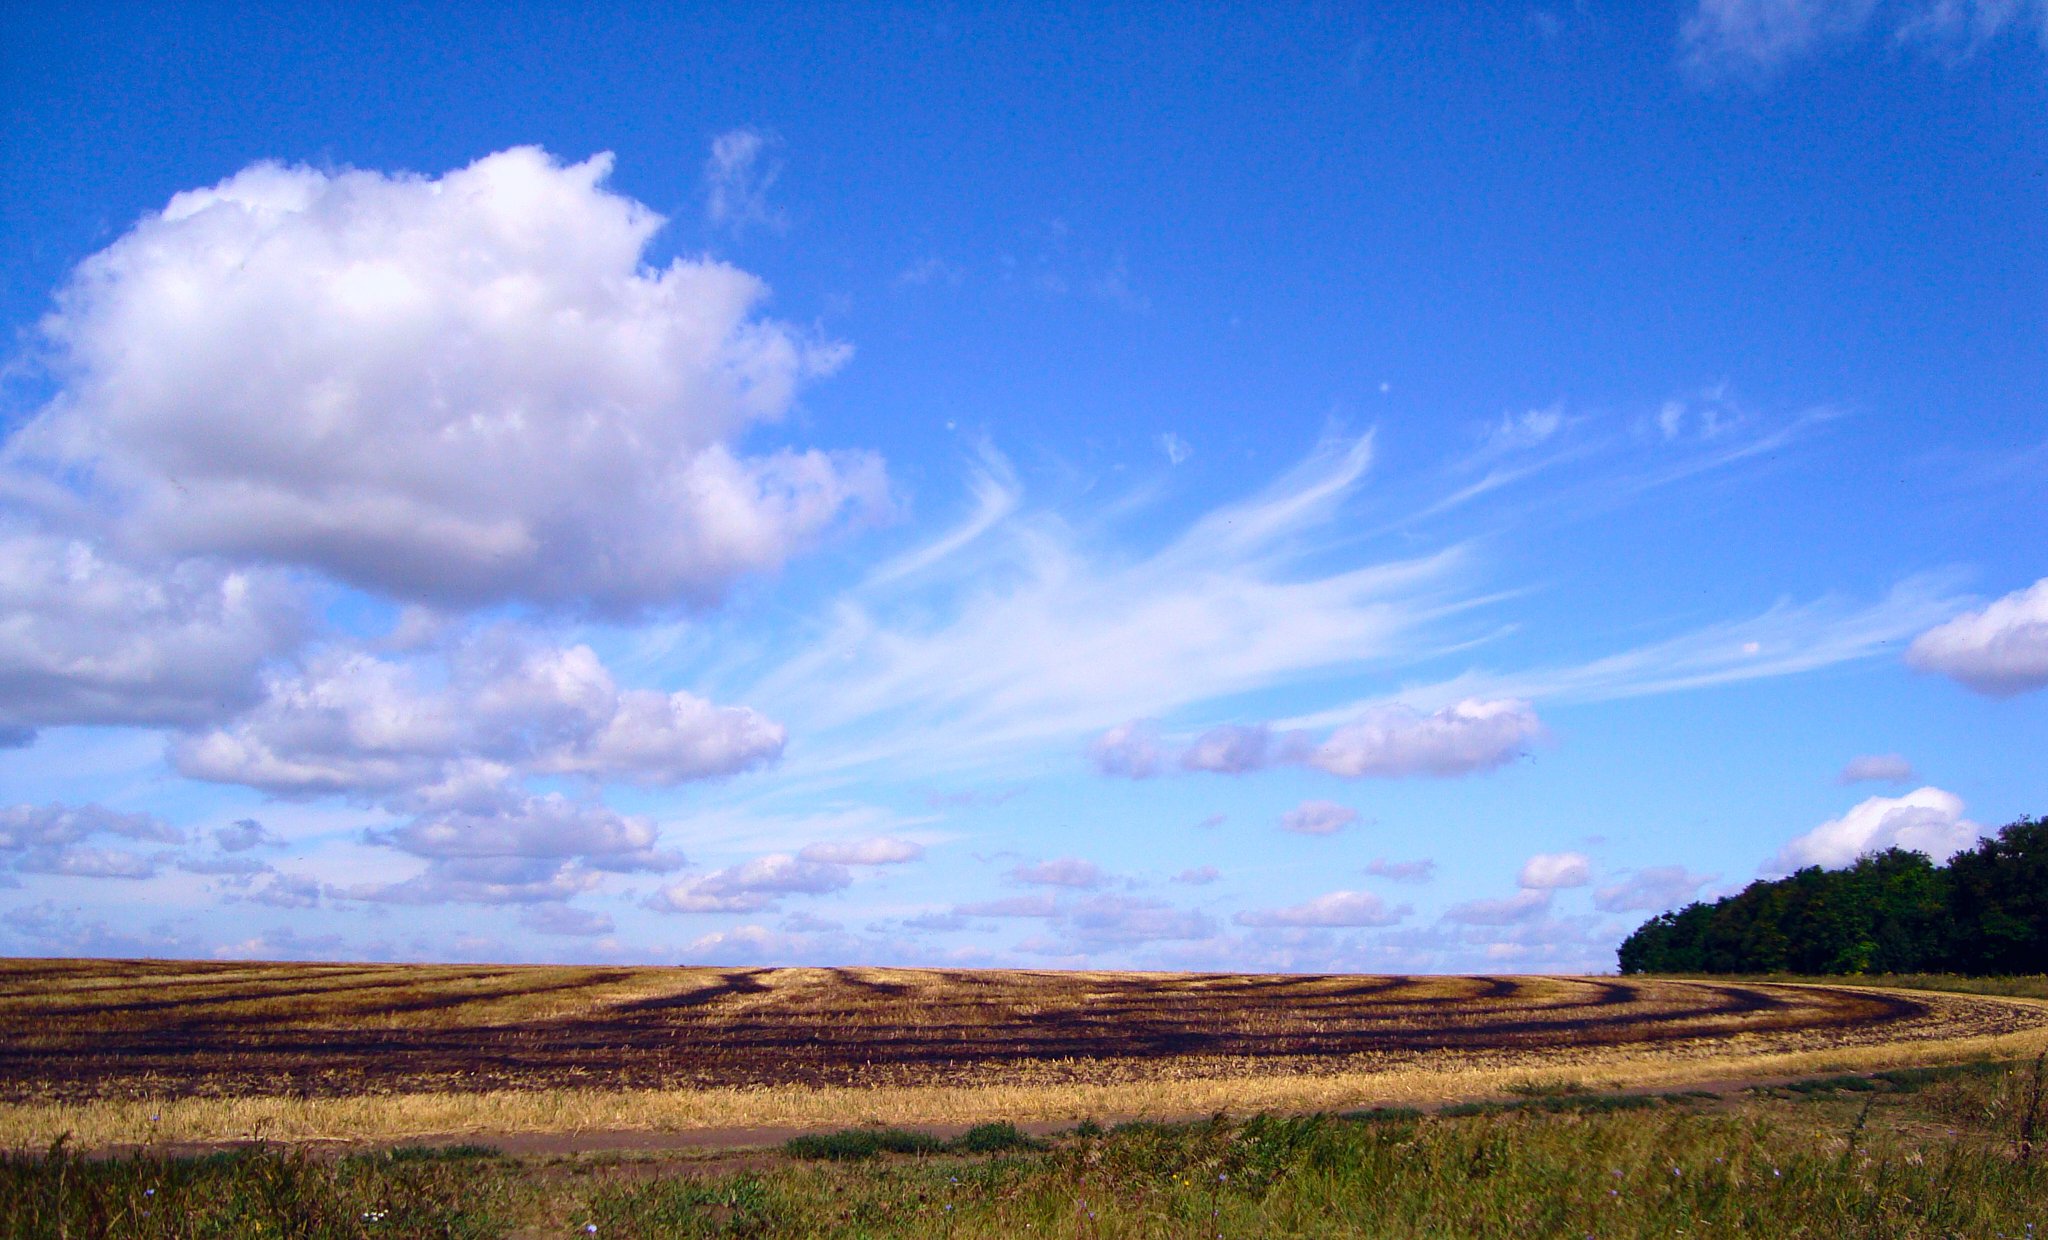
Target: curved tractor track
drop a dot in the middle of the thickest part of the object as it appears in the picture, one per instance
(79, 1030)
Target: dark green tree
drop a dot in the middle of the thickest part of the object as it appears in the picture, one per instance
(1895, 911)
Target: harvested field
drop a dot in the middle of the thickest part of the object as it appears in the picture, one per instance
(446, 1047)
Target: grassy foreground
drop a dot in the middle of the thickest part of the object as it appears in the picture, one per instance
(1914, 1152)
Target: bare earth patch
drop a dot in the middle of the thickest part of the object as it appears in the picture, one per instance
(119, 1052)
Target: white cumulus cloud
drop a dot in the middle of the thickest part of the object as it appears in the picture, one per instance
(527, 826)
(457, 389)
(1462, 738)
(1129, 749)
(1338, 908)
(358, 724)
(1318, 818)
(2001, 650)
(1926, 820)
(86, 639)
(752, 886)
(1549, 871)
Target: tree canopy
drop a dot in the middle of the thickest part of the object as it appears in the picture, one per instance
(1984, 912)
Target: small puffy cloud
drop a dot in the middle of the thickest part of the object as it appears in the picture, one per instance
(1122, 921)
(285, 891)
(1176, 449)
(1198, 876)
(1549, 871)
(1651, 889)
(86, 639)
(56, 826)
(547, 826)
(1529, 904)
(1012, 906)
(1880, 768)
(1463, 738)
(1232, 749)
(2001, 650)
(752, 886)
(737, 177)
(1130, 750)
(881, 850)
(1420, 871)
(239, 868)
(1926, 820)
(457, 390)
(85, 861)
(1060, 872)
(54, 839)
(358, 724)
(1318, 818)
(1392, 742)
(1338, 908)
(244, 834)
(480, 880)
(566, 920)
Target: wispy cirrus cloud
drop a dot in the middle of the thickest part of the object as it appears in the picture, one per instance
(1755, 39)
(1022, 629)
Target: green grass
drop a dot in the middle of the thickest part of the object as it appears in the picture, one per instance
(855, 1144)
(1908, 1153)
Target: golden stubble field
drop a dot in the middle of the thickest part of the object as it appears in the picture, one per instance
(119, 1052)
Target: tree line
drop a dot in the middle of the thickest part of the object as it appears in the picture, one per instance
(1983, 913)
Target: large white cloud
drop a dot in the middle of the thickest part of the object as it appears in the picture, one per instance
(1926, 820)
(359, 724)
(85, 639)
(2000, 650)
(462, 389)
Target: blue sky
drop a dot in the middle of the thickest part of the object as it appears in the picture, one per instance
(1342, 490)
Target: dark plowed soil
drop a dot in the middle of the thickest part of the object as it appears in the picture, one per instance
(78, 1030)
